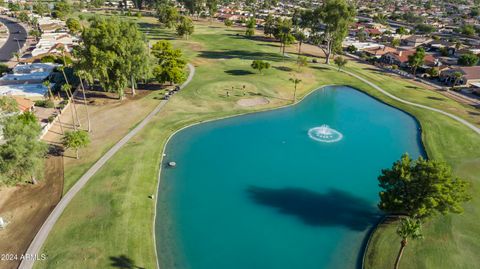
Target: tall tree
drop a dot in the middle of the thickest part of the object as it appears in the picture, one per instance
(50, 96)
(269, 25)
(409, 228)
(284, 34)
(250, 31)
(295, 82)
(113, 51)
(194, 7)
(421, 188)
(167, 15)
(185, 27)
(416, 59)
(82, 74)
(212, 7)
(330, 24)
(22, 153)
(170, 66)
(300, 37)
(67, 88)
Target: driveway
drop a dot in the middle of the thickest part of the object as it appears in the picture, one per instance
(16, 32)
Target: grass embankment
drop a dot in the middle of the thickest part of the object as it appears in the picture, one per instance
(111, 219)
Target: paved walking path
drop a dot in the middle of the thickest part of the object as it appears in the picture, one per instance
(462, 121)
(47, 226)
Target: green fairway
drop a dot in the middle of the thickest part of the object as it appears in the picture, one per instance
(111, 219)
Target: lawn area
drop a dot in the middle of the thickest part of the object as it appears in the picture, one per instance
(111, 220)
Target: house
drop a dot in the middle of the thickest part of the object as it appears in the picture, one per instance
(31, 91)
(415, 41)
(470, 76)
(379, 52)
(50, 43)
(400, 58)
(437, 45)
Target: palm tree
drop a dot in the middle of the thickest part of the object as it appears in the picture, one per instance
(409, 228)
(47, 84)
(68, 90)
(295, 81)
(300, 37)
(82, 74)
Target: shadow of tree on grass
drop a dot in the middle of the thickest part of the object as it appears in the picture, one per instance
(123, 261)
(239, 72)
(241, 54)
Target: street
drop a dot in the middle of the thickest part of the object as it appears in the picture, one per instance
(16, 39)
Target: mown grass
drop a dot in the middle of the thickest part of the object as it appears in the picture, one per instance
(112, 217)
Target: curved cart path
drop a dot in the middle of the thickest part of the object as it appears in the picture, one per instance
(462, 121)
(47, 226)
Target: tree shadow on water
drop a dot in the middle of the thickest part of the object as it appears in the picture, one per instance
(123, 261)
(333, 208)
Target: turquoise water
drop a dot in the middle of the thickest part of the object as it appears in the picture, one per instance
(256, 191)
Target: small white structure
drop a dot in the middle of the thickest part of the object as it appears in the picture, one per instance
(35, 91)
(26, 77)
(33, 68)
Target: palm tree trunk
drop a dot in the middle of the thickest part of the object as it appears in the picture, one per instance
(75, 108)
(86, 106)
(73, 101)
(76, 151)
(400, 252)
(299, 48)
(60, 121)
(295, 94)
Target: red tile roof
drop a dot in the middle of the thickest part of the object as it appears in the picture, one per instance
(402, 56)
(23, 104)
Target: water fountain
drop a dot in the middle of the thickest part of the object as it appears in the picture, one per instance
(325, 134)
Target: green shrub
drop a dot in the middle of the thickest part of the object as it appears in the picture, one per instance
(4, 68)
(44, 103)
(51, 119)
(48, 59)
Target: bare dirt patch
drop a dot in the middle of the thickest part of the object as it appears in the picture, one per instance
(25, 208)
(255, 101)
